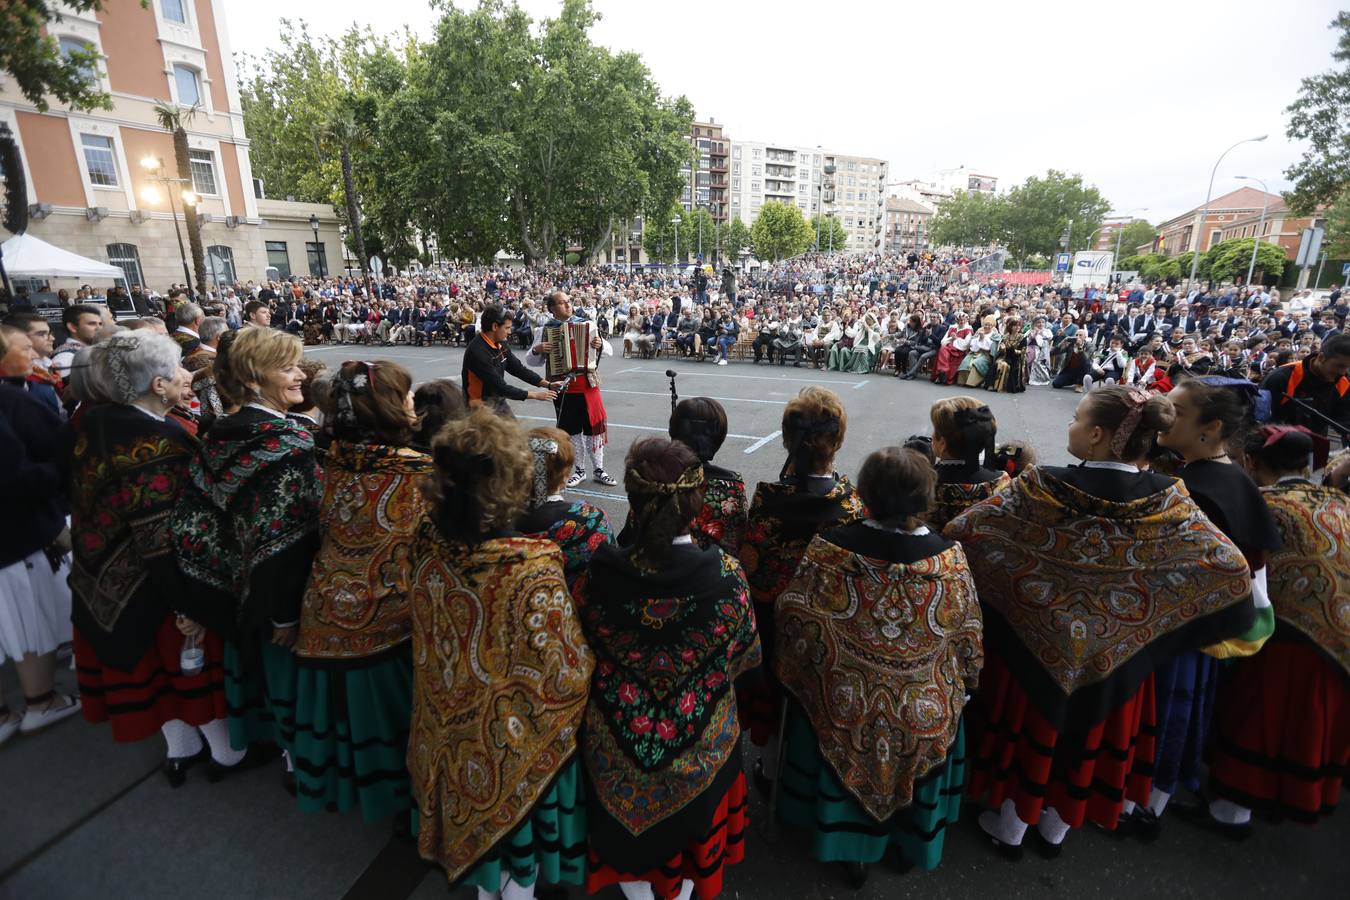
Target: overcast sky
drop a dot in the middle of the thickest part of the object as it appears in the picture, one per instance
(1140, 98)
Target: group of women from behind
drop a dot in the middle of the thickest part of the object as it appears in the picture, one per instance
(432, 633)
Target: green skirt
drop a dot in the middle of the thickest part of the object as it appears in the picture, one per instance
(812, 797)
(846, 360)
(260, 705)
(549, 845)
(351, 737)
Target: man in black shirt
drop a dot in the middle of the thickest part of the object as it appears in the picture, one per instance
(488, 359)
(1320, 382)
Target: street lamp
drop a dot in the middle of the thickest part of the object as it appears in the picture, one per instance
(154, 167)
(1115, 263)
(675, 221)
(1256, 238)
(318, 248)
(1204, 213)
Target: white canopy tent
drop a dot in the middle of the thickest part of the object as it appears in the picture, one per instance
(28, 257)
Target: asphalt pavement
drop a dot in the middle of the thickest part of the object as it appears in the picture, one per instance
(83, 817)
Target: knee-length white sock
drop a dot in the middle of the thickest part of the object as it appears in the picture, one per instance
(484, 894)
(182, 738)
(217, 733)
(597, 450)
(1229, 813)
(1052, 826)
(579, 451)
(686, 890)
(1004, 825)
(513, 891)
(1127, 808)
(636, 890)
(1157, 801)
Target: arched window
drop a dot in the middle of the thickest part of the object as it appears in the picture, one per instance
(125, 257)
(189, 88)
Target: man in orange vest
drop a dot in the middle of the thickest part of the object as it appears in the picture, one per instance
(1320, 382)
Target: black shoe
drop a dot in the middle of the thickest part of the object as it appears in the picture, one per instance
(763, 783)
(254, 757)
(902, 862)
(550, 892)
(288, 783)
(856, 873)
(1145, 826)
(175, 767)
(1047, 850)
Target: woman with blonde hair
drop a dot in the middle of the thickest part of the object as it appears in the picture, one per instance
(247, 529)
(808, 497)
(500, 674)
(964, 430)
(354, 662)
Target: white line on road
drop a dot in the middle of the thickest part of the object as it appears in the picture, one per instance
(739, 437)
(667, 394)
(599, 495)
(685, 373)
(625, 371)
(859, 385)
(762, 441)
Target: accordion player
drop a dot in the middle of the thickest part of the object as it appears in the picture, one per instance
(570, 350)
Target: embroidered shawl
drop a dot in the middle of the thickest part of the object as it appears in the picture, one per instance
(880, 655)
(1085, 597)
(499, 687)
(578, 528)
(356, 602)
(129, 472)
(950, 500)
(661, 723)
(253, 498)
(722, 519)
(783, 519)
(1309, 577)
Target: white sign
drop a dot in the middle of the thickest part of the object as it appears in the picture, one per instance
(1091, 267)
(377, 266)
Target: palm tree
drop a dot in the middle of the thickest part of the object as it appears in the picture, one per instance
(173, 119)
(344, 131)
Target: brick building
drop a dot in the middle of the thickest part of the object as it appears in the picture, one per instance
(1176, 236)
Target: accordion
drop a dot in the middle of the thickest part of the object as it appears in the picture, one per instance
(571, 349)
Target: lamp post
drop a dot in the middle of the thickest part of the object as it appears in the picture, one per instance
(318, 248)
(1256, 238)
(675, 221)
(1204, 212)
(155, 167)
(1115, 263)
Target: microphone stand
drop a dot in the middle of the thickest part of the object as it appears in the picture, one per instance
(674, 397)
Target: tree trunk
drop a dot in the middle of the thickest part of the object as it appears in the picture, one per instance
(353, 214)
(190, 217)
(600, 242)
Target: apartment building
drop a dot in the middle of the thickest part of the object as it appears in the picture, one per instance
(707, 182)
(88, 189)
(907, 225)
(814, 180)
(966, 180)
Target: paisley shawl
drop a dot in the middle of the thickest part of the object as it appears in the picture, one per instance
(1085, 597)
(950, 500)
(661, 724)
(783, 520)
(254, 494)
(1309, 578)
(129, 472)
(500, 678)
(356, 602)
(880, 655)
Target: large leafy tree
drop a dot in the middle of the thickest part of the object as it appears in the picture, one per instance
(1228, 261)
(968, 220)
(735, 237)
(174, 119)
(1321, 117)
(1037, 213)
(828, 232)
(780, 231)
(1135, 235)
(1338, 227)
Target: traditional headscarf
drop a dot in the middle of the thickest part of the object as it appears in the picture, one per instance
(541, 449)
(1136, 399)
(969, 423)
(349, 383)
(803, 426)
(660, 520)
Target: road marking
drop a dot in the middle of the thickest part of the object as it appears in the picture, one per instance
(739, 437)
(859, 385)
(626, 371)
(762, 441)
(709, 396)
(685, 372)
(598, 495)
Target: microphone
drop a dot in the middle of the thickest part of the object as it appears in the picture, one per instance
(671, 373)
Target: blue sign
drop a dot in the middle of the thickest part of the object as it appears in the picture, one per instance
(1345, 271)
(1062, 262)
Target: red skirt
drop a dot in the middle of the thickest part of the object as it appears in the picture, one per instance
(1282, 732)
(700, 861)
(1020, 755)
(138, 702)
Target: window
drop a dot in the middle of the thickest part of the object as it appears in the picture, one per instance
(125, 257)
(277, 258)
(174, 11)
(72, 45)
(736, 169)
(318, 258)
(755, 187)
(99, 160)
(189, 93)
(203, 165)
(757, 152)
(221, 261)
(756, 170)
(736, 151)
(704, 162)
